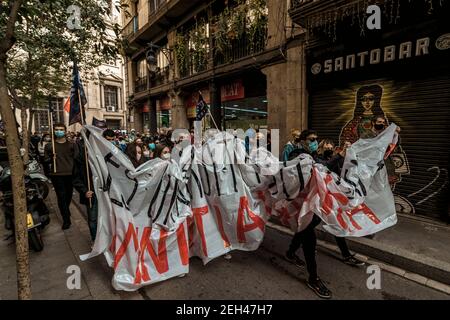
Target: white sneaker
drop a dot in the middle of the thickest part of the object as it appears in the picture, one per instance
(227, 256)
(182, 275)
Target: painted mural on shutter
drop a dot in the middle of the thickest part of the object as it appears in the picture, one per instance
(418, 169)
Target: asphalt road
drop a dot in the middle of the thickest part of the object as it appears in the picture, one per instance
(264, 274)
(261, 274)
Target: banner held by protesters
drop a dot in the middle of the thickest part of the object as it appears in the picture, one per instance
(152, 219)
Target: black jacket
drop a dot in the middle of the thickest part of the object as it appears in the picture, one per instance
(80, 181)
(334, 163)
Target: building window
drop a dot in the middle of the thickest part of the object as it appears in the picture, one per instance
(58, 109)
(155, 5)
(41, 123)
(141, 80)
(141, 68)
(163, 62)
(164, 118)
(111, 99)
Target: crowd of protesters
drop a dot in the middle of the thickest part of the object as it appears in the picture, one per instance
(71, 174)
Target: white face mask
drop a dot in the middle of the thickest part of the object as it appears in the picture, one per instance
(165, 156)
(147, 153)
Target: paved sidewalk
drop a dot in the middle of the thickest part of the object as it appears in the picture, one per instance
(413, 244)
(49, 267)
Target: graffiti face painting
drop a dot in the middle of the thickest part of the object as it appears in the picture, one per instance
(367, 105)
(367, 111)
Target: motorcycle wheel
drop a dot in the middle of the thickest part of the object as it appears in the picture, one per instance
(35, 240)
(42, 186)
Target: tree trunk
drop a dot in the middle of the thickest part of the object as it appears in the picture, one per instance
(25, 136)
(30, 122)
(18, 188)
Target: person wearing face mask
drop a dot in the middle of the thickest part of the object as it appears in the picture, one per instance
(162, 151)
(379, 123)
(109, 135)
(326, 153)
(122, 144)
(146, 152)
(291, 149)
(151, 148)
(135, 153)
(61, 175)
(307, 237)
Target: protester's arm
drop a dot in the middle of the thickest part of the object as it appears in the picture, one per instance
(78, 173)
(78, 177)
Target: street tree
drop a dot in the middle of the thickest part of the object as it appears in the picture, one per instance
(39, 40)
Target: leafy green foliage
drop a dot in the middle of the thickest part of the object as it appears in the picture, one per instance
(39, 64)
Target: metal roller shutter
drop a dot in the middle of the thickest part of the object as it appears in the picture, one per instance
(421, 107)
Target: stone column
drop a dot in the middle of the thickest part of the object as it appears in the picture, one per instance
(286, 81)
(153, 125)
(179, 116)
(216, 104)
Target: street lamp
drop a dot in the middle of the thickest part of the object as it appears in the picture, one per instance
(152, 60)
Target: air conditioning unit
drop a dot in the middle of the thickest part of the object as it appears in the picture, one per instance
(110, 108)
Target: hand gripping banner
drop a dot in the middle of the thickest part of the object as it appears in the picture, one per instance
(215, 199)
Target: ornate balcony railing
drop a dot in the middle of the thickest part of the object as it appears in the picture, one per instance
(296, 3)
(196, 61)
(141, 84)
(131, 27)
(240, 48)
(160, 77)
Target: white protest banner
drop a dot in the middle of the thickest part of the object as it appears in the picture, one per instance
(215, 199)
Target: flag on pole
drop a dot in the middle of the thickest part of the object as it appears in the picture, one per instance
(76, 94)
(99, 123)
(202, 107)
(67, 105)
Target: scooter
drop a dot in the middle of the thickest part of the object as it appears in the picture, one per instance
(37, 212)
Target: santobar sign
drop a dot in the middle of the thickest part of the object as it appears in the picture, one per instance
(390, 53)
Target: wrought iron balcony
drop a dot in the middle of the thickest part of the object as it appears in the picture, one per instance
(141, 84)
(240, 48)
(296, 3)
(303, 10)
(131, 28)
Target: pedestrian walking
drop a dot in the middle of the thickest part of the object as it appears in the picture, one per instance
(61, 175)
(326, 152)
(307, 143)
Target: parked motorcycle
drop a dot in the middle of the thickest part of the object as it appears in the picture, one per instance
(37, 212)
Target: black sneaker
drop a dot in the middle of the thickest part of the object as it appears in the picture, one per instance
(353, 261)
(293, 258)
(319, 288)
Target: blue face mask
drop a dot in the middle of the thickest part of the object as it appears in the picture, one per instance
(60, 134)
(152, 146)
(313, 146)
